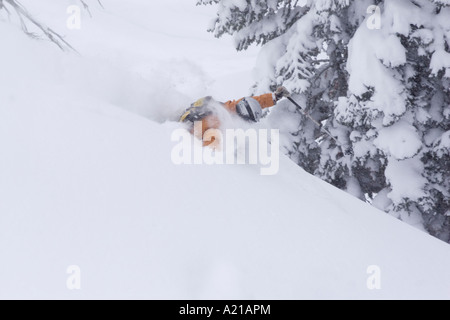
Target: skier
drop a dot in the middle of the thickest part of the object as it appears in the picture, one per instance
(249, 108)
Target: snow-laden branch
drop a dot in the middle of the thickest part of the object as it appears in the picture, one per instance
(26, 18)
(86, 7)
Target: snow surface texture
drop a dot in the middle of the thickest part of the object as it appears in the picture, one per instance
(86, 182)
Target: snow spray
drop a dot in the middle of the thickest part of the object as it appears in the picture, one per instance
(237, 146)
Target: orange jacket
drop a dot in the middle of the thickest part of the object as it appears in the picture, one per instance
(213, 122)
(265, 100)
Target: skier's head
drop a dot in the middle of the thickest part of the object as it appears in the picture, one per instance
(249, 109)
(198, 110)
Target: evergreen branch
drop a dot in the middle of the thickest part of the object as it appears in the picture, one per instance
(24, 16)
(101, 4)
(86, 7)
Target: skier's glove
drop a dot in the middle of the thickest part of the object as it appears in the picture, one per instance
(281, 93)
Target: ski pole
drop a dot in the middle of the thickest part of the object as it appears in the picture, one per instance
(348, 150)
(315, 122)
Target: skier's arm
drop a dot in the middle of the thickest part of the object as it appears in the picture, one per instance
(265, 100)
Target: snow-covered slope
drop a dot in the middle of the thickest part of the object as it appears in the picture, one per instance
(87, 180)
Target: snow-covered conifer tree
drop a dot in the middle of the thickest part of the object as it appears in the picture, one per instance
(376, 74)
(399, 90)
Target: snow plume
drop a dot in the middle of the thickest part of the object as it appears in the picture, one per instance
(155, 91)
(169, 88)
(159, 91)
